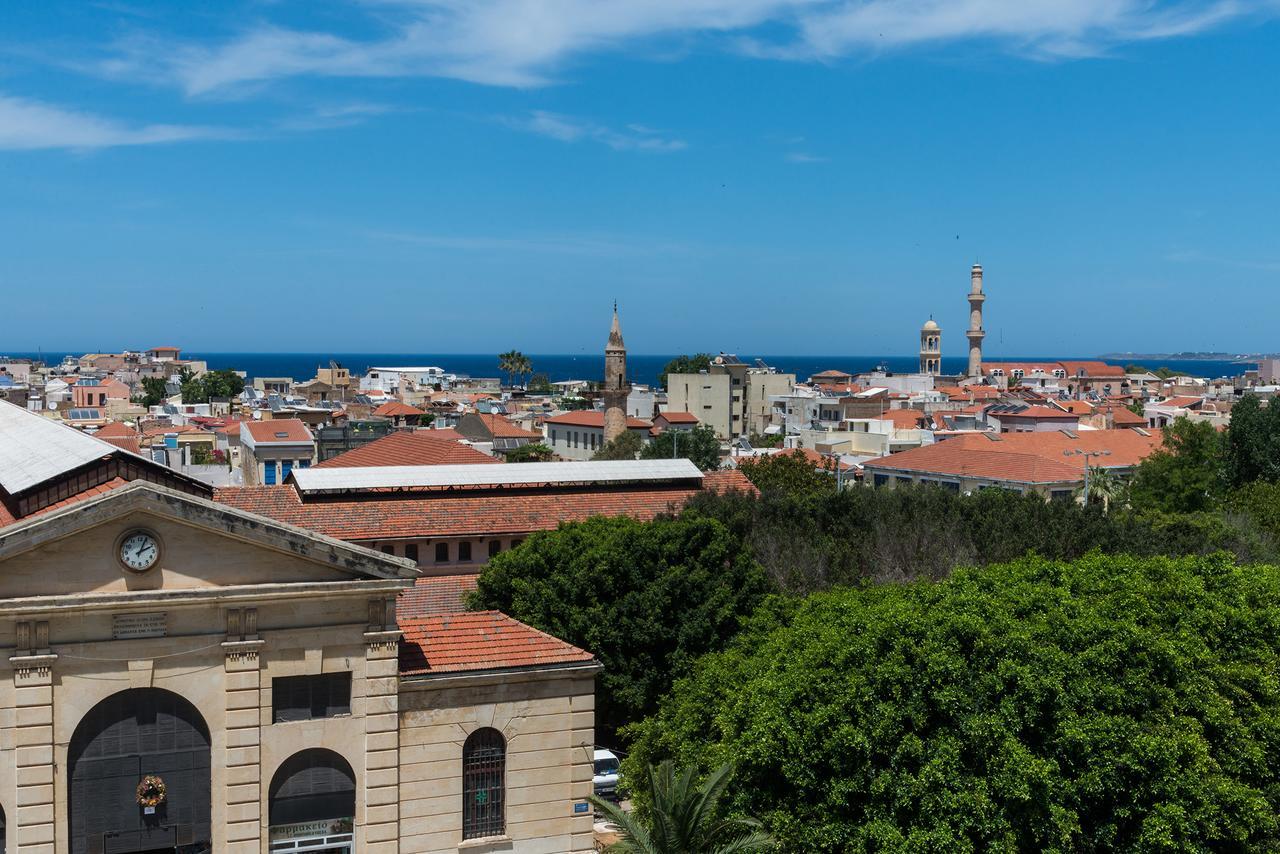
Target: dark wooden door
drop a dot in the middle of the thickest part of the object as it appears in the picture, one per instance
(123, 739)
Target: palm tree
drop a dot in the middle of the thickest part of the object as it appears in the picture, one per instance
(514, 364)
(683, 818)
(1105, 486)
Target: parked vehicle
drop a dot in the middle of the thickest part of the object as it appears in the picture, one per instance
(607, 777)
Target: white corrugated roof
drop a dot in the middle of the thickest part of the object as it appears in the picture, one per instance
(34, 449)
(511, 474)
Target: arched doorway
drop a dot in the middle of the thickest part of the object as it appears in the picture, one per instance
(124, 750)
(312, 804)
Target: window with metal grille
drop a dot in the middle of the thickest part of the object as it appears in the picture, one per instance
(484, 763)
(304, 698)
(411, 551)
(442, 552)
(495, 546)
(464, 551)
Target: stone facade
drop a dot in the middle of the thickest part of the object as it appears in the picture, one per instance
(234, 603)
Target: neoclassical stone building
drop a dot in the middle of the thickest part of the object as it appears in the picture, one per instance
(185, 676)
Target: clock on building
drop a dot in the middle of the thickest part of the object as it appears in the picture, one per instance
(139, 550)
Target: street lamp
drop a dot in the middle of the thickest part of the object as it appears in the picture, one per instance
(1086, 454)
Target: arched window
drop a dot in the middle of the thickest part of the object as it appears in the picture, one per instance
(313, 787)
(484, 765)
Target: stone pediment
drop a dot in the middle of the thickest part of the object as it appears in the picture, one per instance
(201, 545)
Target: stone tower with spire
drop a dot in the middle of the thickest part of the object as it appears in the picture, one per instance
(976, 333)
(931, 348)
(616, 387)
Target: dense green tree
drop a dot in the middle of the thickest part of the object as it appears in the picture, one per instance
(154, 391)
(199, 389)
(532, 453)
(683, 817)
(1185, 474)
(541, 384)
(573, 404)
(1252, 443)
(1110, 704)
(625, 447)
(788, 473)
(684, 365)
(645, 598)
(699, 445)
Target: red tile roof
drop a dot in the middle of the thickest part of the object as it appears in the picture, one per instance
(593, 418)
(481, 640)
(903, 419)
(418, 448)
(394, 409)
(116, 430)
(125, 443)
(7, 518)
(1181, 402)
(1093, 368)
(1038, 412)
(1123, 416)
(454, 514)
(436, 594)
(678, 417)
(501, 428)
(269, 431)
(1022, 457)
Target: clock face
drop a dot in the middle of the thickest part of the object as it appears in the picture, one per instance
(139, 551)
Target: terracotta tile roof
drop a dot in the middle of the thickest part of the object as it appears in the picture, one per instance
(231, 428)
(1122, 416)
(480, 640)
(446, 433)
(1022, 457)
(678, 417)
(161, 430)
(501, 428)
(1181, 402)
(436, 594)
(830, 375)
(971, 392)
(7, 518)
(269, 431)
(903, 419)
(1079, 407)
(116, 430)
(593, 418)
(1037, 412)
(126, 443)
(418, 448)
(394, 408)
(454, 514)
(1093, 368)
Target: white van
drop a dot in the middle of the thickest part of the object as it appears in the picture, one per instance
(606, 777)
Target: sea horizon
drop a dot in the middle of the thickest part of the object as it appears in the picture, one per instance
(642, 367)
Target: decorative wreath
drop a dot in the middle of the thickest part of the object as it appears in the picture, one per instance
(151, 791)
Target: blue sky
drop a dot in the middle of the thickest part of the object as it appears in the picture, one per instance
(776, 176)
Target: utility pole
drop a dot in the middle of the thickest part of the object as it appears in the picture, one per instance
(1087, 455)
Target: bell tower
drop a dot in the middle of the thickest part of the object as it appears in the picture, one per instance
(616, 387)
(931, 348)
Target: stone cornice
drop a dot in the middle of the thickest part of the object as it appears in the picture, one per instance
(129, 600)
(506, 675)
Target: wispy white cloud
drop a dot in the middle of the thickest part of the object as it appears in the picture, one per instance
(526, 43)
(803, 157)
(29, 125)
(570, 129)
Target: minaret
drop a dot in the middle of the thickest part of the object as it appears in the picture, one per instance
(976, 332)
(616, 387)
(930, 348)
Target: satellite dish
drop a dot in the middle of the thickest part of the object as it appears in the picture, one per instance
(53, 405)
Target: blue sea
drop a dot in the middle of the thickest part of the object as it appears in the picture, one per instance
(642, 368)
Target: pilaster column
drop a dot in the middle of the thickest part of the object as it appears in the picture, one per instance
(241, 803)
(382, 731)
(33, 739)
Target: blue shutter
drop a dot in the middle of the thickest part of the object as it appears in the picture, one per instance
(269, 472)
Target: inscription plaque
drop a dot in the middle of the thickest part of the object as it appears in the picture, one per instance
(130, 626)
